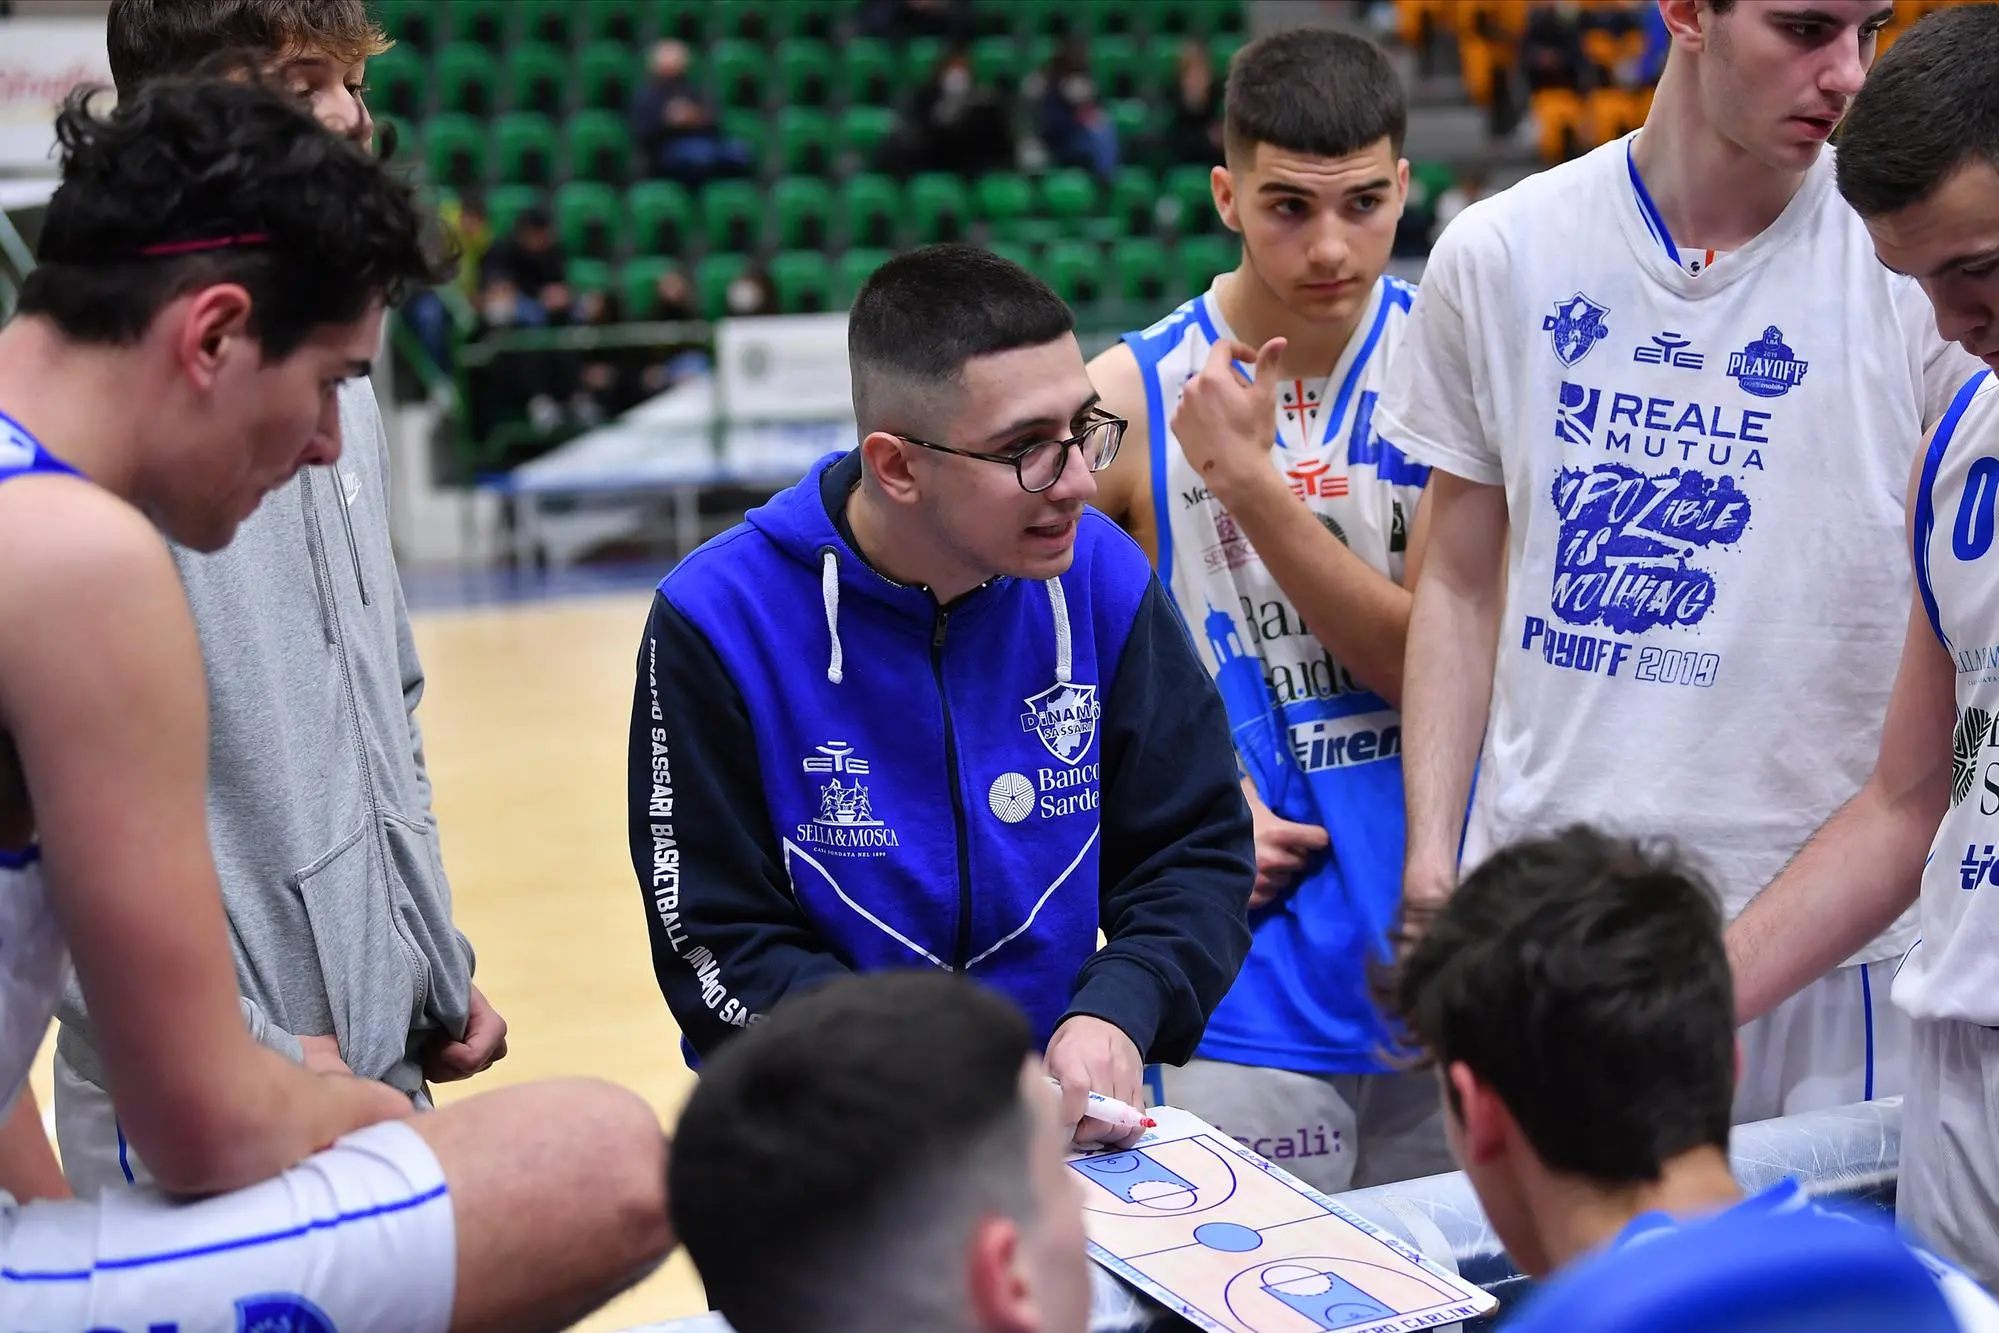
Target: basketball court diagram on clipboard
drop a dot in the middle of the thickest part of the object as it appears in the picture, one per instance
(1235, 1245)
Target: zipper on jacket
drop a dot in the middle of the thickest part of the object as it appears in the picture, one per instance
(962, 840)
(347, 523)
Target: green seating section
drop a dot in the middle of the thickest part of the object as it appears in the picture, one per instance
(525, 101)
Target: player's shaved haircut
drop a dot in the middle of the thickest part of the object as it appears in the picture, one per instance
(1313, 91)
(923, 315)
(1929, 108)
(825, 1179)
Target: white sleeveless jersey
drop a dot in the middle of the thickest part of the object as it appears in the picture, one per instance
(1705, 477)
(1328, 449)
(1953, 972)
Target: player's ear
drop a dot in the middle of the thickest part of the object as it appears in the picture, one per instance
(1221, 184)
(216, 321)
(997, 1285)
(887, 460)
(1683, 22)
(1488, 1125)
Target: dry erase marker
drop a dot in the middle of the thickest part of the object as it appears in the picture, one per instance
(1118, 1115)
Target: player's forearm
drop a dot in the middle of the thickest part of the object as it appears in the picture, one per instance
(1453, 634)
(1358, 613)
(1859, 872)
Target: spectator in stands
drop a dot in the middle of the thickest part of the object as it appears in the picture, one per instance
(900, 20)
(1074, 127)
(523, 277)
(1195, 132)
(1551, 48)
(674, 124)
(825, 1182)
(751, 293)
(955, 124)
(1575, 998)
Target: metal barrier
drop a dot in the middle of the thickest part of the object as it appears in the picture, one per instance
(1849, 1154)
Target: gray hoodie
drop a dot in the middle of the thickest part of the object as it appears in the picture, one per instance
(318, 802)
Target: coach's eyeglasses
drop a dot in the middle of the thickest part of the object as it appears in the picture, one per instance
(1038, 466)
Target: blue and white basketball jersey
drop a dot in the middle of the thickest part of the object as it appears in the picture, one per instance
(1953, 972)
(1705, 479)
(34, 962)
(1321, 747)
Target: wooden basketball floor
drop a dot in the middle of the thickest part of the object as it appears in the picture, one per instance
(524, 721)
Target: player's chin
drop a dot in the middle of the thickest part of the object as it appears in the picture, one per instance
(1044, 552)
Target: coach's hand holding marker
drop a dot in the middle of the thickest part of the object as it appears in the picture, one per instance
(1226, 424)
(1101, 1122)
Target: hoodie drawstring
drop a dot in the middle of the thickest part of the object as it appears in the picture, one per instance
(1058, 603)
(829, 596)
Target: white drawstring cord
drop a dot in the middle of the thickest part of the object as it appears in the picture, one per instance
(829, 595)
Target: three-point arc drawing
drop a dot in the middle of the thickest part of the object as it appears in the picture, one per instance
(1235, 1245)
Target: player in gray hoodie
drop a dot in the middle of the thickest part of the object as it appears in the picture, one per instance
(318, 801)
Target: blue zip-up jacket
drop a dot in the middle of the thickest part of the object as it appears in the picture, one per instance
(831, 773)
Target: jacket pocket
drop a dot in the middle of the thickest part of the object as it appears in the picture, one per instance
(370, 984)
(421, 903)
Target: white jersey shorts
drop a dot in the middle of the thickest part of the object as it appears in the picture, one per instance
(356, 1239)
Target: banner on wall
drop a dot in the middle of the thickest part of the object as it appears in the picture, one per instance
(41, 60)
(784, 368)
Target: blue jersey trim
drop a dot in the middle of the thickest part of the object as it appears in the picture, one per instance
(1926, 518)
(1655, 222)
(1155, 442)
(1867, 1011)
(1340, 404)
(124, 1153)
(223, 1247)
(22, 859)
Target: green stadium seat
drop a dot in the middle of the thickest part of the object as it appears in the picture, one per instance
(1075, 270)
(1006, 203)
(1133, 118)
(525, 148)
(399, 83)
(480, 22)
(1047, 18)
(805, 72)
(919, 57)
(730, 213)
(1202, 257)
(802, 208)
(1134, 200)
(854, 268)
(552, 22)
(751, 128)
(408, 23)
(684, 19)
(1221, 50)
(866, 73)
(598, 146)
(621, 21)
(606, 77)
(454, 150)
(588, 275)
(863, 131)
(638, 285)
(741, 20)
(1069, 196)
(712, 279)
(736, 73)
(590, 219)
(816, 19)
(661, 217)
(536, 78)
(804, 141)
(938, 207)
(870, 206)
(1194, 18)
(409, 144)
(1159, 66)
(1116, 18)
(803, 280)
(467, 79)
(1023, 255)
(1142, 271)
(1192, 201)
(996, 62)
(506, 203)
(1116, 68)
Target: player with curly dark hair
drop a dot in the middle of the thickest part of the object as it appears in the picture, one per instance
(215, 266)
